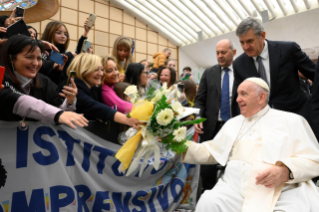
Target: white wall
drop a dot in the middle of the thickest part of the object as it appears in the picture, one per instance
(302, 28)
(187, 61)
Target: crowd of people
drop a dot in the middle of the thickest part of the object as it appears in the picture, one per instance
(270, 149)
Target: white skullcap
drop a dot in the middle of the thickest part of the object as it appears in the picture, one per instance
(258, 81)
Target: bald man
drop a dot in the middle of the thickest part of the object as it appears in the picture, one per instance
(213, 99)
(271, 157)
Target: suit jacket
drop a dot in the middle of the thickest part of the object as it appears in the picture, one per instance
(208, 99)
(315, 102)
(285, 59)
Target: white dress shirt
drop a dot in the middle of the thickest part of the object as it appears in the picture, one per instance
(265, 60)
(231, 80)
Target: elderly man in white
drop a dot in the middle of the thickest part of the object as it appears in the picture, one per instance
(271, 157)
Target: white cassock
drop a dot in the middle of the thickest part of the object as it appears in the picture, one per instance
(251, 145)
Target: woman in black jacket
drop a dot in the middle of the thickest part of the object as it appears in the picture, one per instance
(89, 77)
(56, 33)
(27, 93)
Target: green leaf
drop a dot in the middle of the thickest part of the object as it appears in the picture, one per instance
(196, 121)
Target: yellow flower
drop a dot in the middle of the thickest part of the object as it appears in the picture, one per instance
(177, 107)
(142, 111)
(180, 134)
(165, 117)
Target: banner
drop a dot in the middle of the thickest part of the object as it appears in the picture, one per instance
(54, 168)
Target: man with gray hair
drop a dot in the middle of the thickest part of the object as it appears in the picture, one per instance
(277, 63)
(270, 164)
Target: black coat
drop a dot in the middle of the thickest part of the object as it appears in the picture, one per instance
(208, 100)
(315, 102)
(42, 88)
(285, 59)
(89, 102)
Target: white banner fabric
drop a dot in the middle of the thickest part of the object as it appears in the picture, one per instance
(54, 168)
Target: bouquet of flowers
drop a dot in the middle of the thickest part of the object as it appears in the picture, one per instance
(160, 112)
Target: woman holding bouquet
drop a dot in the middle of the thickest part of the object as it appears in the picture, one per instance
(89, 77)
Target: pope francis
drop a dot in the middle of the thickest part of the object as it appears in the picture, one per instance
(271, 157)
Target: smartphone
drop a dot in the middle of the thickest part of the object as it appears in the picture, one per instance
(57, 57)
(91, 20)
(19, 12)
(71, 77)
(180, 86)
(2, 69)
(86, 45)
(17, 28)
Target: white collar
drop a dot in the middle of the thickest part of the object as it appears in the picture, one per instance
(229, 67)
(259, 114)
(264, 54)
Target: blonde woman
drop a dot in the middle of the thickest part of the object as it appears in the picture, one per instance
(122, 52)
(89, 77)
(111, 78)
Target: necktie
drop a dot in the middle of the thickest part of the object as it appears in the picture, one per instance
(261, 69)
(225, 107)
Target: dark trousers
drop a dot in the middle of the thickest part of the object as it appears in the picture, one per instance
(208, 173)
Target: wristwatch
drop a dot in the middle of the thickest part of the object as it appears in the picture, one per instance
(291, 176)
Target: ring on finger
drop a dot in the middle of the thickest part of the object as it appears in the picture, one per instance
(72, 120)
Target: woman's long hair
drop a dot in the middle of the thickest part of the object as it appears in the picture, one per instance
(190, 90)
(50, 29)
(133, 74)
(12, 47)
(125, 42)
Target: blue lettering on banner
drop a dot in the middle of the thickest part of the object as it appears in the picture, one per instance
(136, 201)
(102, 156)
(22, 148)
(162, 196)
(117, 199)
(86, 156)
(86, 193)
(56, 202)
(37, 201)
(115, 169)
(69, 142)
(100, 203)
(150, 201)
(174, 183)
(38, 156)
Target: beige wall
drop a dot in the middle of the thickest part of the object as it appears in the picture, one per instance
(111, 22)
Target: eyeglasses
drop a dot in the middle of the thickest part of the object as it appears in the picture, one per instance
(146, 72)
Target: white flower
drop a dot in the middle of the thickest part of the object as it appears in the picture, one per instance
(158, 96)
(131, 92)
(164, 86)
(180, 134)
(165, 117)
(177, 107)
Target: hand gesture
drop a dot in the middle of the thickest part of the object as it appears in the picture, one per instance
(58, 67)
(48, 45)
(12, 19)
(121, 77)
(273, 176)
(198, 128)
(71, 119)
(69, 92)
(133, 122)
(86, 28)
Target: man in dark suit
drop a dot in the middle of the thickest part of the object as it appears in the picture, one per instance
(213, 98)
(276, 62)
(315, 102)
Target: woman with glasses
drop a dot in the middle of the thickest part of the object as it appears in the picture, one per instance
(111, 78)
(56, 33)
(136, 74)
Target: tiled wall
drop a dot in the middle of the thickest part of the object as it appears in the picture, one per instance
(111, 22)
